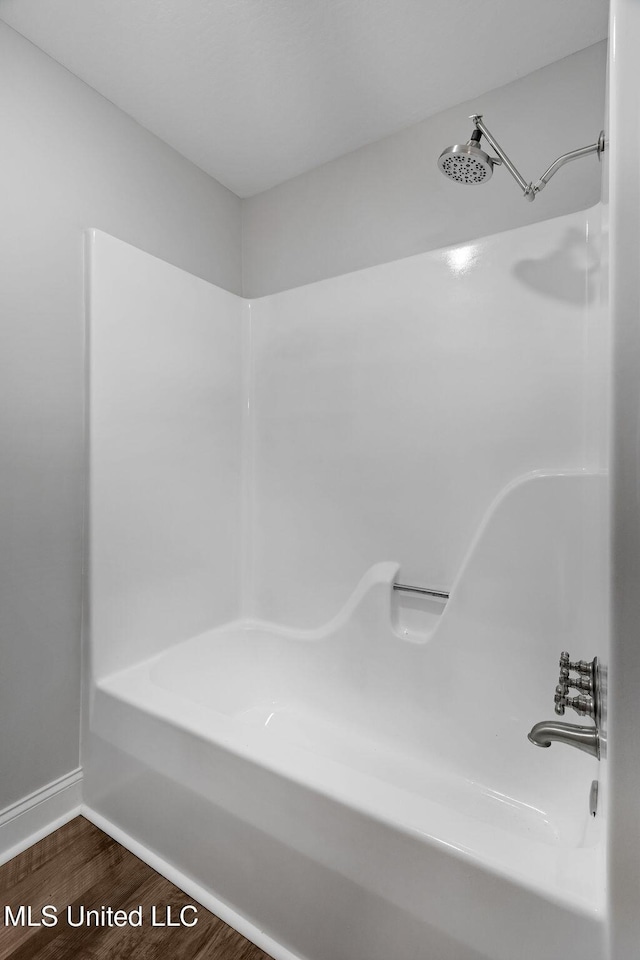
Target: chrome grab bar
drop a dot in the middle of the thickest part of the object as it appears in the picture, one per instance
(425, 591)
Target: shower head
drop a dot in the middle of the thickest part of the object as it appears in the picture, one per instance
(466, 162)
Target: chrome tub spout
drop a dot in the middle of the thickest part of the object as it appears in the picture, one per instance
(553, 731)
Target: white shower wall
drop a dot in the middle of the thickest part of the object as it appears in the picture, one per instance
(165, 453)
(391, 405)
(254, 459)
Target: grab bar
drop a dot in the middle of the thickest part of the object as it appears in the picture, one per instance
(425, 591)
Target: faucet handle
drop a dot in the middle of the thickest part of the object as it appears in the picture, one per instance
(561, 698)
(583, 705)
(582, 667)
(578, 683)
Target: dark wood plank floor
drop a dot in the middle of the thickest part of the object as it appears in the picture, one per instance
(80, 865)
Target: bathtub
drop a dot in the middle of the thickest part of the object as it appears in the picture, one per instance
(366, 789)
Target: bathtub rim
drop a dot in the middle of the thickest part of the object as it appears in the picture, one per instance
(550, 869)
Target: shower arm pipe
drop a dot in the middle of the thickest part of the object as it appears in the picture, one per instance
(530, 190)
(566, 158)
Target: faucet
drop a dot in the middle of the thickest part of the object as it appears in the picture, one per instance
(587, 703)
(546, 732)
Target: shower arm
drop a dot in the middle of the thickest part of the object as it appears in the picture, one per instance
(531, 190)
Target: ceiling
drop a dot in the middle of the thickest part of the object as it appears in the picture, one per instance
(257, 91)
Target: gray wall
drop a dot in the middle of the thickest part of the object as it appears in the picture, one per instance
(388, 200)
(69, 160)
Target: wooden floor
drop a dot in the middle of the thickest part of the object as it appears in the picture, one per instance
(80, 865)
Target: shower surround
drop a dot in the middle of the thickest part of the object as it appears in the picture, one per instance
(338, 769)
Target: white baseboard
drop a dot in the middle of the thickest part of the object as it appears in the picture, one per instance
(193, 889)
(24, 823)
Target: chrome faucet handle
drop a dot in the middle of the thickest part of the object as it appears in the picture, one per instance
(562, 690)
(582, 667)
(583, 705)
(560, 699)
(578, 683)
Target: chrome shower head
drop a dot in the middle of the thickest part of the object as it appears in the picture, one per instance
(466, 162)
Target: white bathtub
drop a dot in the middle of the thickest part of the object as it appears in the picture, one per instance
(358, 791)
